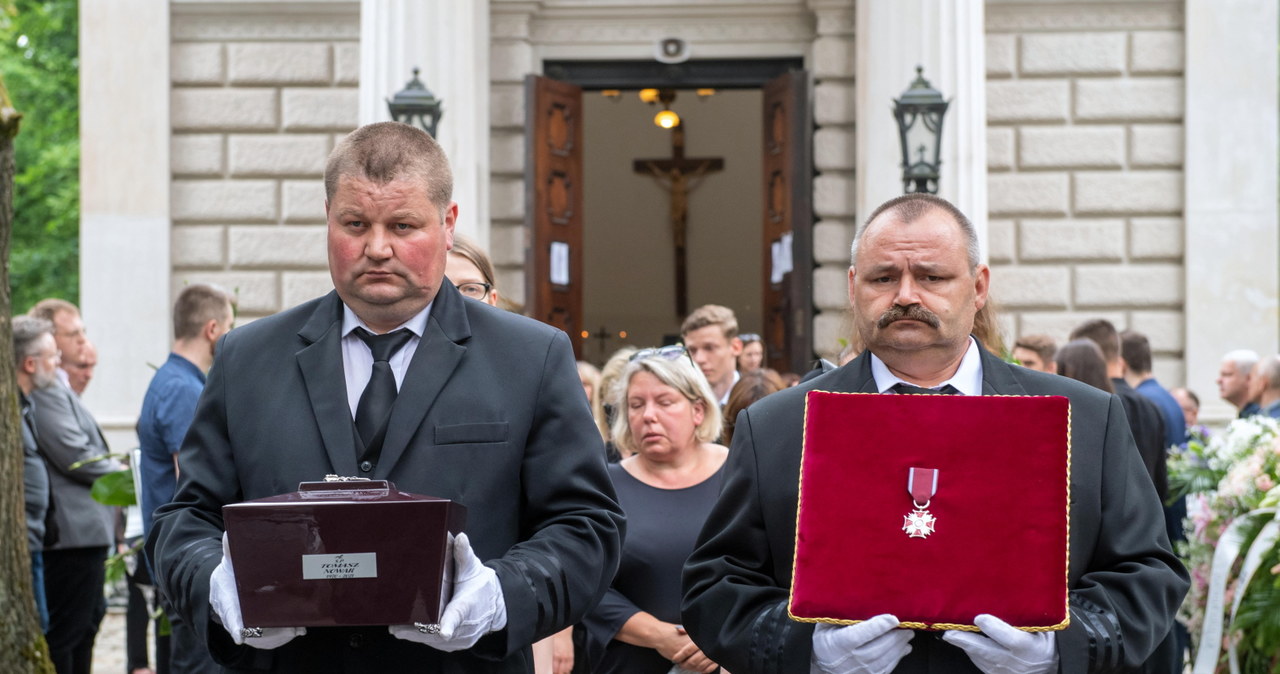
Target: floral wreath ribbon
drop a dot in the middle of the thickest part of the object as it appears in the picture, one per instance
(1224, 558)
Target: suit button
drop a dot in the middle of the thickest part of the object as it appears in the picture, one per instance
(366, 466)
(356, 641)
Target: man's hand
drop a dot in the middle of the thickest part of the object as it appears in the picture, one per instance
(1004, 649)
(476, 609)
(226, 608)
(871, 647)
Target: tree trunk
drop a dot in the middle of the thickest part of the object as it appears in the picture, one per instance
(22, 645)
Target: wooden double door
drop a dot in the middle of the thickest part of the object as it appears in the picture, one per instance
(554, 213)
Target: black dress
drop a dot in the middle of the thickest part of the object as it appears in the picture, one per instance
(662, 527)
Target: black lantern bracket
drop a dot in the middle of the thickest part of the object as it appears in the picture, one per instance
(919, 113)
(416, 105)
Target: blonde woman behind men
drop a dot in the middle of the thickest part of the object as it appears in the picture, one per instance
(668, 420)
(601, 409)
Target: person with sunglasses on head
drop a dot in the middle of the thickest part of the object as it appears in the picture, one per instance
(668, 419)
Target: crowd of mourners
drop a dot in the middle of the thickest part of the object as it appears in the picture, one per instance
(666, 415)
(667, 419)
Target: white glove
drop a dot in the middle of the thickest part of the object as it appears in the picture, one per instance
(226, 608)
(476, 609)
(871, 647)
(1004, 649)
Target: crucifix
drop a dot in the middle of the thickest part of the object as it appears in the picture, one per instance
(680, 175)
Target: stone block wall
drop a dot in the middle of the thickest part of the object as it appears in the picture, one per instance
(258, 101)
(511, 57)
(834, 189)
(1085, 109)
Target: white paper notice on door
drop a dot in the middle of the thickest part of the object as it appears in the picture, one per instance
(559, 263)
(780, 251)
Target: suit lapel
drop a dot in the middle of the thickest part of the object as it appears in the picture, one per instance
(437, 356)
(853, 377)
(997, 376)
(321, 365)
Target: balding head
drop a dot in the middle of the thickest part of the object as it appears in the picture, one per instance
(911, 207)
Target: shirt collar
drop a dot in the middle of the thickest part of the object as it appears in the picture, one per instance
(417, 325)
(724, 400)
(184, 363)
(967, 378)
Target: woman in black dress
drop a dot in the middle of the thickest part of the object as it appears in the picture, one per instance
(668, 418)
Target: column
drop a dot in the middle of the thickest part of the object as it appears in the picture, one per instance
(1230, 176)
(124, 202)
(945, 37)
(449, 41)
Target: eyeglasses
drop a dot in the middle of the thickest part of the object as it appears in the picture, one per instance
(671, 352)
(749, 338)
(476, 291)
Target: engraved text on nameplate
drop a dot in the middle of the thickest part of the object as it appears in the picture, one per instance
(349, 565)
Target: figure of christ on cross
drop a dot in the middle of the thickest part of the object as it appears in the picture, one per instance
(680, 175)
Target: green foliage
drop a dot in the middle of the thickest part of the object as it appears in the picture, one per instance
(39, 57)
(114, 489)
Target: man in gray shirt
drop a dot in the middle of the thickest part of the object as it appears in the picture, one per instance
(35, 362)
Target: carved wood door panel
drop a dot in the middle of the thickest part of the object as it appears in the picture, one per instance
(788, 222)
(553, 217)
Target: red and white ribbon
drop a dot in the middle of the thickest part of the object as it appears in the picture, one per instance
(922, 484)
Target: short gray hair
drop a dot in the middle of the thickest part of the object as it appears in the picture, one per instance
(1244, 359)
(27, 331)
(909, 208)
(681, 375)
(1269, 370)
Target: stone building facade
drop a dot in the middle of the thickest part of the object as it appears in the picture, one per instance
(1084, 138)
(1073, 129)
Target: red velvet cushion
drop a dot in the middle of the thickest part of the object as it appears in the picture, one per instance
(1001, 509)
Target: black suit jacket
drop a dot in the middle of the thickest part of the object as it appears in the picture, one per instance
(1125, 584)
(1147, 424)
(490, 413)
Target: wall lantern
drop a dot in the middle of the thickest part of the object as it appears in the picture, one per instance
(416, 105)
(919, 113)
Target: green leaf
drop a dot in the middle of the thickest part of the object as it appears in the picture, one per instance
(115, 489)
(39, 59)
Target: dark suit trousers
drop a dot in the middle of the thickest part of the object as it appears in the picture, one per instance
(73, 581)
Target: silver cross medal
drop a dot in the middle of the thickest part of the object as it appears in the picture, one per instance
(922, 483)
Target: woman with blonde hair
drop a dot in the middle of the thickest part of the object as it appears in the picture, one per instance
(668, 420)
(601, 408)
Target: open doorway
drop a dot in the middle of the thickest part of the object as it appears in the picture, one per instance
(604, 210)
(629, 266)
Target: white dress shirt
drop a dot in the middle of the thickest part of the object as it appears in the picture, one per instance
(357, 359)
(724, 399)
(967, 378)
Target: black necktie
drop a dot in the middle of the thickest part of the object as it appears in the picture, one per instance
(375, 403)
(908, 389)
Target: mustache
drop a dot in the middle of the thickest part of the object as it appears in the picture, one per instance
(912, 312)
